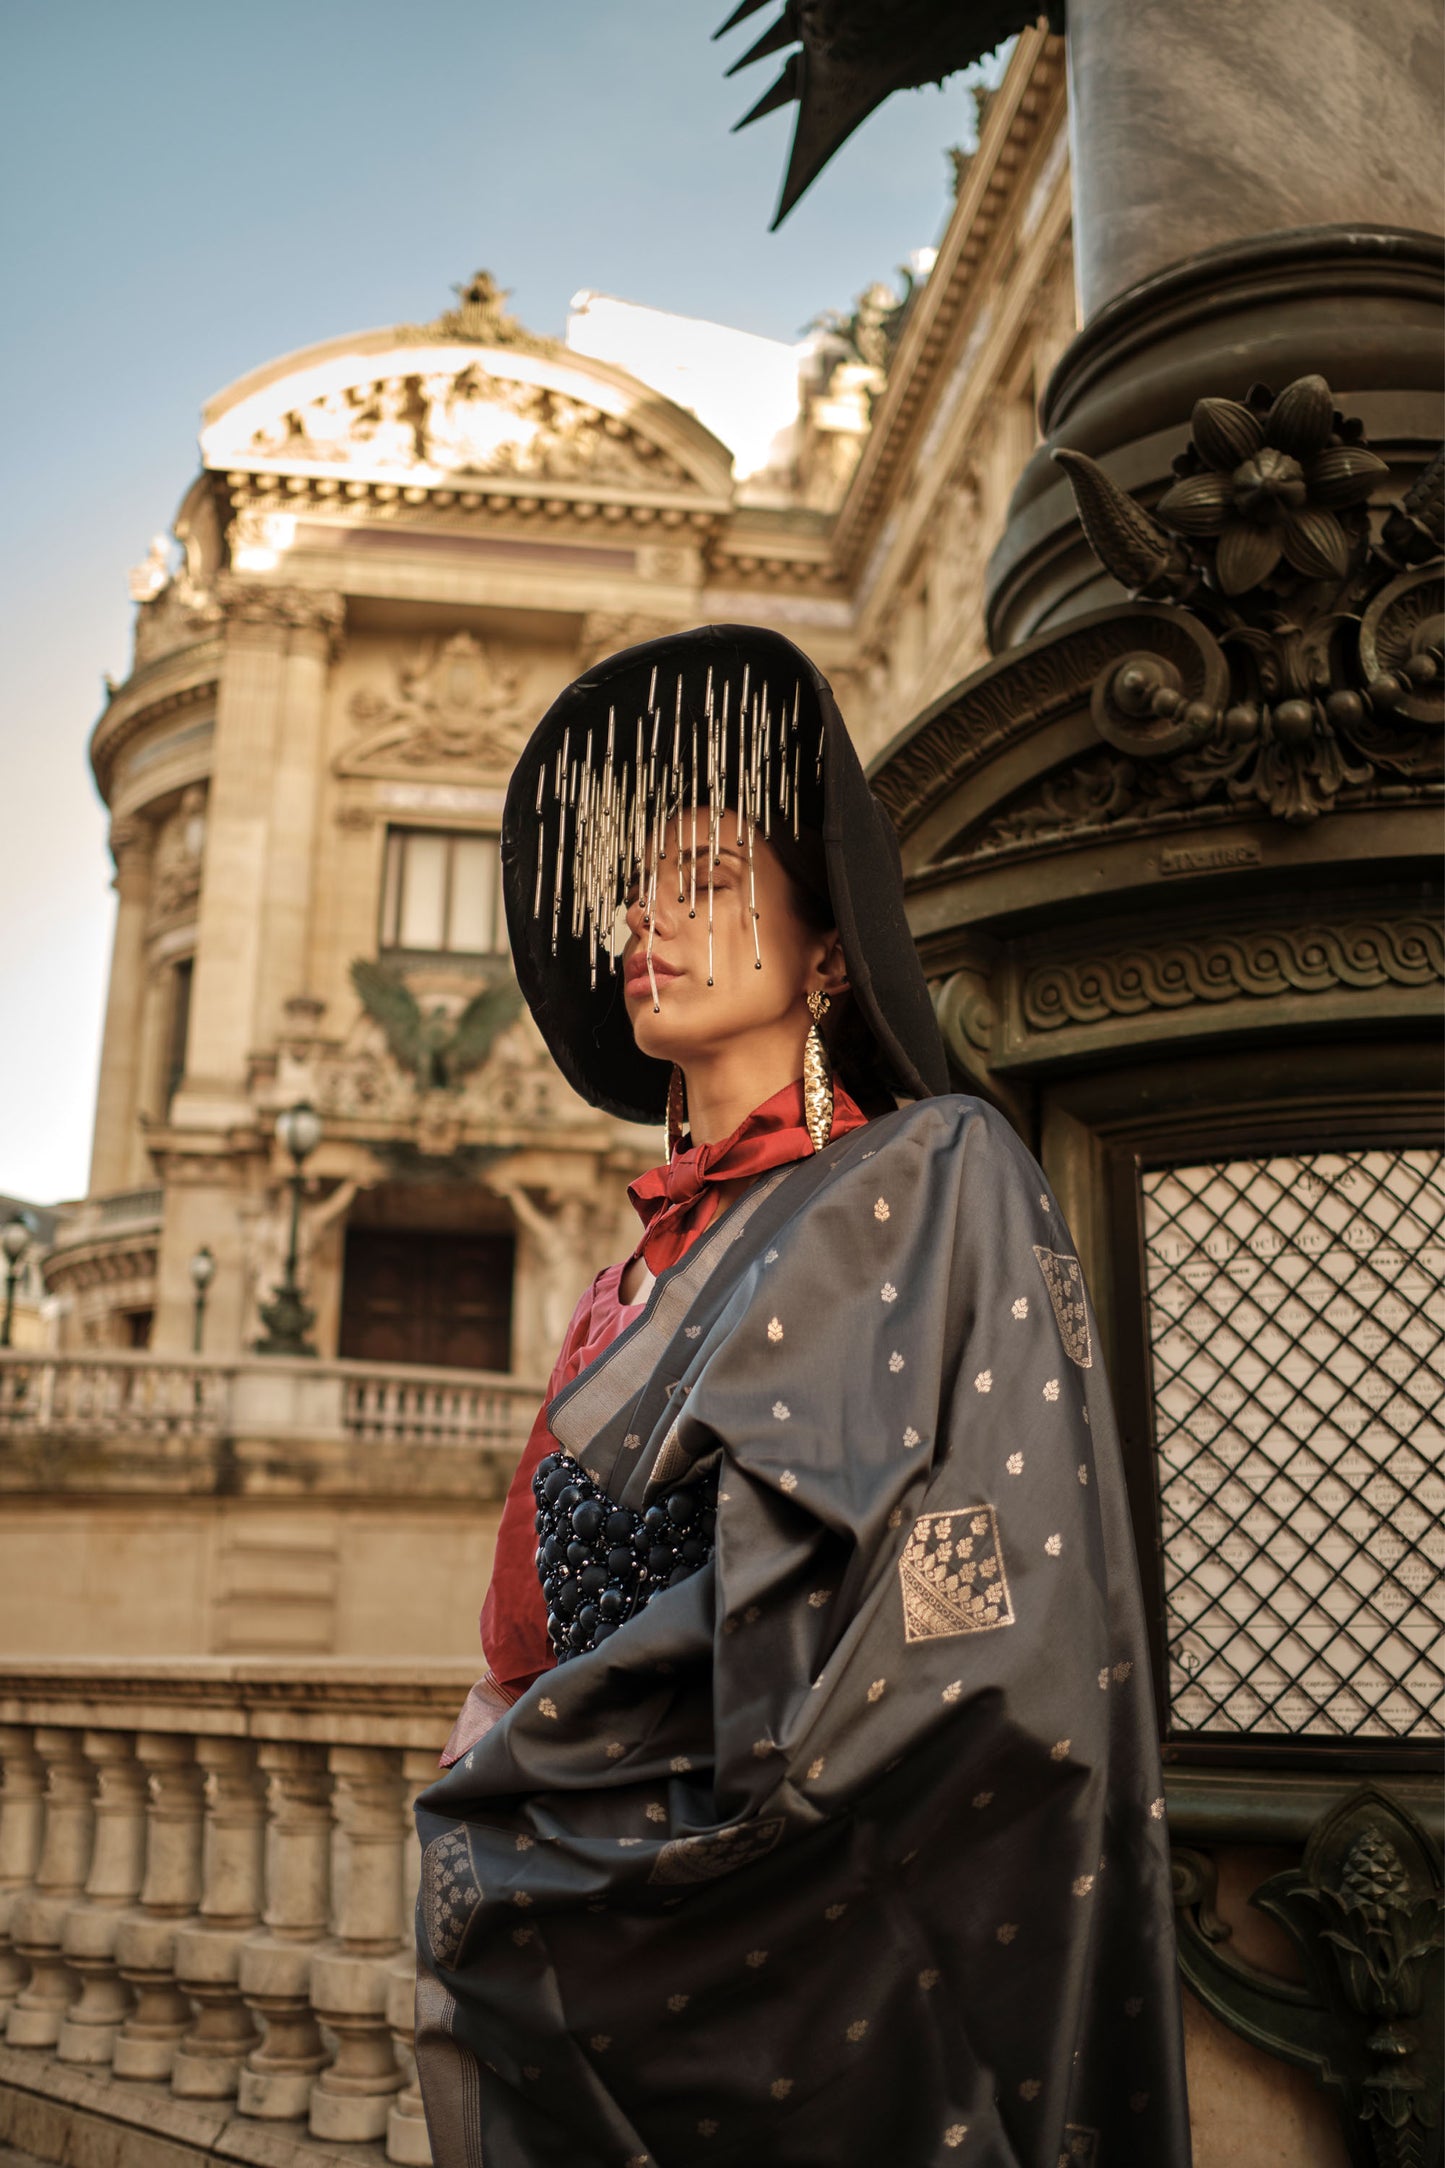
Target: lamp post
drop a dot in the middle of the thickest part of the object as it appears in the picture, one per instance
(14, 1241)
(203, 1271)
(287, 1317)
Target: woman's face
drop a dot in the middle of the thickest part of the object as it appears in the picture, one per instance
(676, 1015)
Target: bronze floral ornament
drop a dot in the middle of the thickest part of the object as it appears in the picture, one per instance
(1270, 480)
(1325, 618)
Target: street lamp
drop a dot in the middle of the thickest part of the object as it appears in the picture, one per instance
(14, 1241)
(287, 1317)
(203, 1271)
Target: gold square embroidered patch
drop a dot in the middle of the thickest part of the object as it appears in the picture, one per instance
(1065, 1283)
(952, 1576)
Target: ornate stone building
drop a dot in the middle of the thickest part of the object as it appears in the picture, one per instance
(400, 546)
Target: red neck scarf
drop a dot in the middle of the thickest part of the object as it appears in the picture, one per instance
(676, 1202)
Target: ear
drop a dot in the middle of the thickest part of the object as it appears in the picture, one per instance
(833, 965)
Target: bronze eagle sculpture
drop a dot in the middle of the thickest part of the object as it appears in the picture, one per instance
(437, 1048)
(855, 53)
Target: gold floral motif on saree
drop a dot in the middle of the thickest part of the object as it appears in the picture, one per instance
(952, 1576)
(723, 1851)
(1065, 1283)
(451, 1894)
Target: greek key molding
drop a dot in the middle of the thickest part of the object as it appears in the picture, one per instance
(1232, 967)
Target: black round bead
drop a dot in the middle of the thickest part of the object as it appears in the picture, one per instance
(568, 1598)
(693, 1553)
(587, 1519)
(610, 1604)
(605, 1630)
(659, 1558)
(656, 1522)
(592, 1580)
(620, 1524)
(620, 1562)
(578, 1554)
(681, 1508)
(587, 1619)
(554, 1627)
(546, 1466)
(556, 1483)
(541, 1521)
(642, 1542)
(552, 1552)
(570, 1495)
(680, 1573)
(576, 1636)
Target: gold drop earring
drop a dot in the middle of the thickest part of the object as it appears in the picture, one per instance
(676, 1112)
(817, 1076)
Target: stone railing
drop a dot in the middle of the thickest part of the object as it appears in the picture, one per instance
(140, 1396)
(207, 1877)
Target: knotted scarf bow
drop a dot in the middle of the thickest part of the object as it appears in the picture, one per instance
(676, 1202)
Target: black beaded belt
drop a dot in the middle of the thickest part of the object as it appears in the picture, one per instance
(600, 1562)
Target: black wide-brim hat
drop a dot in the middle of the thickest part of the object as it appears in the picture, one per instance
(585, 1024)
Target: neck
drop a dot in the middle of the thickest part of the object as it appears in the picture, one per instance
(725, 1083)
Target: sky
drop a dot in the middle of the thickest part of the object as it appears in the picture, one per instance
(191, 188)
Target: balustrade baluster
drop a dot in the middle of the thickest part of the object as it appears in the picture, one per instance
(209, 2057)
(90, 2027)
(22, 1826)
(38, 1915)
(407, 2142)
(275, 1972)
(146, 1942)
(351, 2100)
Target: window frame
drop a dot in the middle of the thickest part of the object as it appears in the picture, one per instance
(395, 836)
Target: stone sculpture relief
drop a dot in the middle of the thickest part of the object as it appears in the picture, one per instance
(467, 421)
(453, 703)
(179, 851)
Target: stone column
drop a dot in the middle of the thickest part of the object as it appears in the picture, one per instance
(207, 1955)
(275, 1973)
(233, 895)
(300, 752)
(407, 2142)
(1193, 126)
(145, 1944)
(116, 1097)
(38, 1915)
(22, 1827)
(352, 2100)
(88, 1937)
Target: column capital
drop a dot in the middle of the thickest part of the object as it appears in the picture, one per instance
(131, 840)
(281, 610)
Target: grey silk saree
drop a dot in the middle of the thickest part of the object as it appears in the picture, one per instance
(848, 1852)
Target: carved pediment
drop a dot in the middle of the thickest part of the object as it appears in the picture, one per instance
(446, 414)
(453, 706)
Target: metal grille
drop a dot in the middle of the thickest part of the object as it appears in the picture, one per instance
(1297, 1328)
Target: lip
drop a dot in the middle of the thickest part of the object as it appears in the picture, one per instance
(634, 974)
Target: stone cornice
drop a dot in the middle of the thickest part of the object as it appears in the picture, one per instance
(174, 685)
(329, 1698)
(286, 608)
(1028, 103)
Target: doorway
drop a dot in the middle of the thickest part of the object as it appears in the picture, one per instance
(410, 1295)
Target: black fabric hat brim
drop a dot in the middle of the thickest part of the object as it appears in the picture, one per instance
(586, 1028)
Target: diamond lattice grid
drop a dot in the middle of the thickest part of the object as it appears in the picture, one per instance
(1297, 1327)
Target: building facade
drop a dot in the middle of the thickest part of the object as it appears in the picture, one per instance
(399, 548)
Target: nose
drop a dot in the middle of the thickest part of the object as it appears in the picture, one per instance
(663, 912)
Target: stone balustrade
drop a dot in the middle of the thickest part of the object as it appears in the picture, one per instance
(126, 1396)
(208, 1871)
(119, 1395)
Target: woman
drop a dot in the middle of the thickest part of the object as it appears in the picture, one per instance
(811, 1812)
